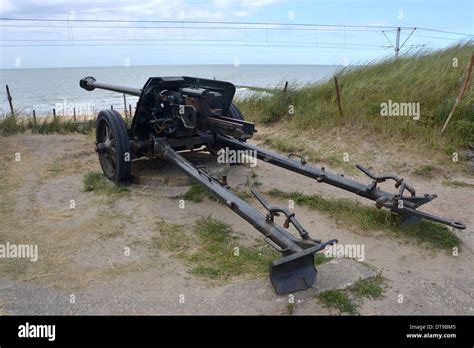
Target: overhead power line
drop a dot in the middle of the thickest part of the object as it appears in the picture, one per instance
(443, 38)
(446, 32)
(194, 22)
(335, 29)
(74, 39)
(225, 23)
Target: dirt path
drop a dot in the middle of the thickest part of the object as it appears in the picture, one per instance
(83, 249)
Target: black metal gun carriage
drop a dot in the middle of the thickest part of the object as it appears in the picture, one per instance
(187, 113)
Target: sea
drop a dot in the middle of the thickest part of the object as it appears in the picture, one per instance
(43, 89)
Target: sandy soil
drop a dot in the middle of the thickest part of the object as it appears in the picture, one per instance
(82, 249)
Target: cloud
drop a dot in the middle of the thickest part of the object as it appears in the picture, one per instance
(113, 41)
(207, 10)
(176, 10)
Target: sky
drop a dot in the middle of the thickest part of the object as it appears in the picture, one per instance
(185, 39)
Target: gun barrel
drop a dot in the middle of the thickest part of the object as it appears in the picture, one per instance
(89, 83)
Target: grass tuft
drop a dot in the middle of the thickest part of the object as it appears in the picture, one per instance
(338, 299)
(290, 308)
(284, 145)
(371, 287)
(345, 300)
(217, 254)
(95, 181)
(426, 171)
(320, 258)
(456, 183)
(299, 147)
(196, 193)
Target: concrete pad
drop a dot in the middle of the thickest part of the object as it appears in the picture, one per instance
(161, 173)
(143, 296)
(22, 298)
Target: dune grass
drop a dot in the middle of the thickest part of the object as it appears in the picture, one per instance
(62, 125)
(58, 125)
(428, 78)
(10, 125)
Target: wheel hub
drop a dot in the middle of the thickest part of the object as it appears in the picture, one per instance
(104, 147)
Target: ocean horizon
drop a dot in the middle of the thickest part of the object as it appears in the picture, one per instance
(42, 89)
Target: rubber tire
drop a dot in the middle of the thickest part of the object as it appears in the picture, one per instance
(118, 128)
(235, 113)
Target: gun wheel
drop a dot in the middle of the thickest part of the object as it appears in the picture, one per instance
(113, 146)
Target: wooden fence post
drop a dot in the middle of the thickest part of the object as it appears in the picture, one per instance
(9, 97)
(461, 93)
(34, 117)
(125, 105)
(74, 114)
(285, 88)
(338, 96)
